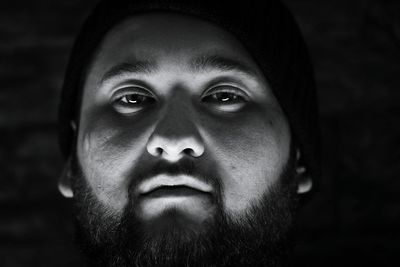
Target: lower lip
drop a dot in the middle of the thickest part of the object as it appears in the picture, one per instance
(175, 191)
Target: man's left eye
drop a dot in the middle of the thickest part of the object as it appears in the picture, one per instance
(227, 99)
(224, 98)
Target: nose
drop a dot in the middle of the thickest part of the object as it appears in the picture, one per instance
(175, 136)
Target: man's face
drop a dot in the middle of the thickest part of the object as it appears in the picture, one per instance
(179, 129)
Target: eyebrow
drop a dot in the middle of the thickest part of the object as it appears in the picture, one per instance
(206, 62)
(197, 64)
(134, 66)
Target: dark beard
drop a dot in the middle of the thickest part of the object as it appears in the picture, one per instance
(260, 237)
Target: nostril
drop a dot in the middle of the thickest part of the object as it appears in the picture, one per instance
(188, 151)
(159, 151)
(159, 146)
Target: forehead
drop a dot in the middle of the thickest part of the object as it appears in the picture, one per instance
(168, 38)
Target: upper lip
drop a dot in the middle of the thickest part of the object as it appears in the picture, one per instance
(162, 180)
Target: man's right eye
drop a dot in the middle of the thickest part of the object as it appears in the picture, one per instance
(131, 102)
(136, 99)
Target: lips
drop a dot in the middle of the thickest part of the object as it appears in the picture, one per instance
(167, 185)
(176, 191)
(191, 195)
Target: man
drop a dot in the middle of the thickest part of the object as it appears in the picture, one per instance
(189, 131)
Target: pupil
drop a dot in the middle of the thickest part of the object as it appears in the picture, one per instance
(133, 99)
(224, 96)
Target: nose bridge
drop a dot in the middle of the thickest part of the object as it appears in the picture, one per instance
(178, 118)
(175, 133)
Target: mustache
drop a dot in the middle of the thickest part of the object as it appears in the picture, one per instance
(185, 166)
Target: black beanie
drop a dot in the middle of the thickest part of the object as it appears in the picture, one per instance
(265, 28)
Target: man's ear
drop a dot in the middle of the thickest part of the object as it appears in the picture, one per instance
(304, 180)
(64, 182)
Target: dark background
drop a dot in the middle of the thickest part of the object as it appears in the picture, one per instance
(353, 219)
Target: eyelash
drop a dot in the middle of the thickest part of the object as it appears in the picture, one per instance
(228, 89)
(121, 103)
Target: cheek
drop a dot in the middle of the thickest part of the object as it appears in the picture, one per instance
(251, 151)
(109, 145)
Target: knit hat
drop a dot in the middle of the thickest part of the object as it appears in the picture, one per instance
(265, 28)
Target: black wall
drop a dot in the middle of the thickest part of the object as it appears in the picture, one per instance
(354, 217)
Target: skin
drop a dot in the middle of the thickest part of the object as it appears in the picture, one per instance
(245, 139)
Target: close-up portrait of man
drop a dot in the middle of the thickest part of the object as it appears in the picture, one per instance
(190, 131)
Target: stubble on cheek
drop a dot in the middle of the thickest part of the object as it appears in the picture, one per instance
(102, 168)
(251, 155)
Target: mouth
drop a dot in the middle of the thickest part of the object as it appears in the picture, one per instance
(175, 191)
(180, 185)
(188, 194)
